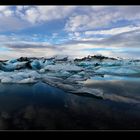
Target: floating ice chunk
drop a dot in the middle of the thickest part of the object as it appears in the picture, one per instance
(11, 61)
(27, 80)
(4, 74)
(60, 83)
(34, 74)
(126, 70)
(7, 80)
(76, 77)
(17, 77)
(26, 74)
(62, 74)
(48, 62)
(66, 87)
(42, 70)
(65, 67)
(61, 58)
(19, 65)
(35, 64)
(86, 63)
(53, 81)
(9, 67)
(65, 72)
(22, 74)
(96, 92)
(51, 78)
(109, 63)
(117, 70)
(82, 73)
(13, 66)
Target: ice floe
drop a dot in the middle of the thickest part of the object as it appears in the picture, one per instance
(66, 67)
(67, 74)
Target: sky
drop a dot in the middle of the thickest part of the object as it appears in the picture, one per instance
(76, 31)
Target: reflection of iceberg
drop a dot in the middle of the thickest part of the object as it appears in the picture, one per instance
(69, 74)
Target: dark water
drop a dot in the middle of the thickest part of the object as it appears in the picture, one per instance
(40, 106)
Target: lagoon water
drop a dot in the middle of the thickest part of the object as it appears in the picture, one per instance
(42, 107)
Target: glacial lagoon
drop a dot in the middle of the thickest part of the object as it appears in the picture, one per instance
(88, 94)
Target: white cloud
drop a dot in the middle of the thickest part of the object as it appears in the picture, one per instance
(32, 15)
(129, 12)
(5, 11)
(22, 17)
(113, 31)
(81, 22)
(122, 45)
(37, 14)
(101, 16)
(16, 49)
(12, 24)
(81, 18)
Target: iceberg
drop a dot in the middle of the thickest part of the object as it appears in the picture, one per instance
(35, 64)
(61, 58)
(7, 80)
(11, 61)
(115, 70)
(68, 75)
(27, 80)
(66, 67)
(48, 62)
(13, 66)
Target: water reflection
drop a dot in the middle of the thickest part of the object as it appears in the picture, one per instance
(41, 106)
(117, 90)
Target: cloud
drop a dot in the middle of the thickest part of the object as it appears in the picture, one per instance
(38, 14)
(26, 45)
(11, 23)
(78, 18)
(113, 31)
(125, 44)
(87, 30)
(5, 11)
(91, 20)
(129, 38)
(20, 17)
(27, 49)
(32, 15)
(102, 16)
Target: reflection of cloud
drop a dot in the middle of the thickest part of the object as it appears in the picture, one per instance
(119, 91)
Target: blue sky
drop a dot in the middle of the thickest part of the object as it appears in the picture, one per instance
(77, 31)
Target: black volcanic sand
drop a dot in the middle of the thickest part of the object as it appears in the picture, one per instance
(42, 107)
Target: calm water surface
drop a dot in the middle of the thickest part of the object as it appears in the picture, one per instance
(40, 106)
